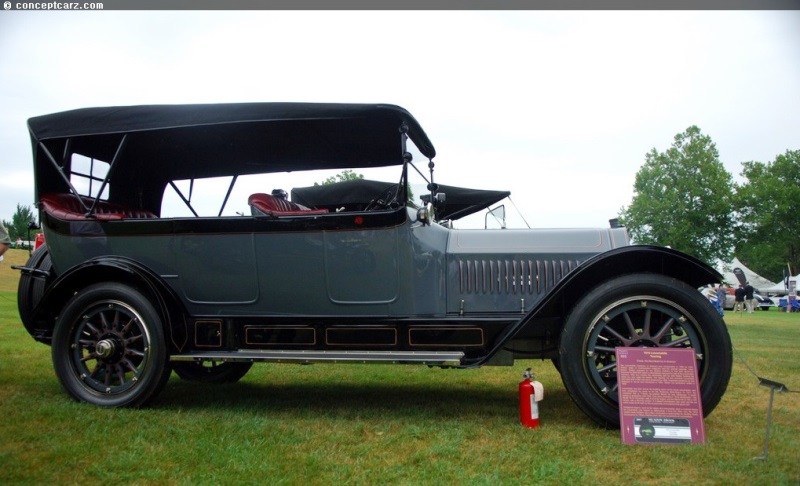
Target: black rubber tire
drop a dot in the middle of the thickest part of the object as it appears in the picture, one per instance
(31, 287)
(587, 344)
(109, 348)
(556, 364)
(211, 371)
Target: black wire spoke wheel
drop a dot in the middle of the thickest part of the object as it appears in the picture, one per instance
(639, 310)
(108, 347)
(211, 371)
(638, 321)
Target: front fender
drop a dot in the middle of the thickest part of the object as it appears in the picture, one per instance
(109, 269)
(604, 266)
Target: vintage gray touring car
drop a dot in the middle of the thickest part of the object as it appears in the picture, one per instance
(125, 291)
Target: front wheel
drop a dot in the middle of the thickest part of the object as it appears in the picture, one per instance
(109, 348)
(640, 310)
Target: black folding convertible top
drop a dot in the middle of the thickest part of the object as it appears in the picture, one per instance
(341, 135)
(459, 201)
(129, 119)
(153, 144)
(462, 201)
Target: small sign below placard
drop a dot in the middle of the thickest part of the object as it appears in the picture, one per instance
(659, 396)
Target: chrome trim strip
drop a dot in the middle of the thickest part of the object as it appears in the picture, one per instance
(449, 358)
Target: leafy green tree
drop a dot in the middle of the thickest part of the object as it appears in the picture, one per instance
(345, 175)
(683, 198)
(18, 226)
(768, 206)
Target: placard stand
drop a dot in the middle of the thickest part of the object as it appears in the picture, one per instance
(773, 386)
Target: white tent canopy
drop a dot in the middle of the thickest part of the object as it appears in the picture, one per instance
(758, 282)
(779, 288)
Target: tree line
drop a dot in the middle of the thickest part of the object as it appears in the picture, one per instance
(18, 226)
(686, 199)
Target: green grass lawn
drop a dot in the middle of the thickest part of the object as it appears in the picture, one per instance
(381, 424)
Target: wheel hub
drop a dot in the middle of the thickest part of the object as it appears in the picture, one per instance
(105, 348)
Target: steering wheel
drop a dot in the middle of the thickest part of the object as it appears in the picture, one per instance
(386, 200)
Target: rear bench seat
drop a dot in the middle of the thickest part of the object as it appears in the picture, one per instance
(269, 205)
(67, 206)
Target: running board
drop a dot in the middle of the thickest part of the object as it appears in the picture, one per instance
(437, 358)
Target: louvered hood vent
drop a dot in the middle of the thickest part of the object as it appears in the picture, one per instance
(511, 277)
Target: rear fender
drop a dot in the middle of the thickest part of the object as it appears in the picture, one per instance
(620, 261)
(109, 269)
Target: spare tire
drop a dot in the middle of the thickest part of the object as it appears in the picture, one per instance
(36, 276)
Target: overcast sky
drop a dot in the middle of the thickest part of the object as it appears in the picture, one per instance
(559, 108)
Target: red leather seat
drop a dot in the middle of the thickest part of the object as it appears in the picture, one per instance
(270, 205)
(68, 207)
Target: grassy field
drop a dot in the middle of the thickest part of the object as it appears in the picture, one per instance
(380, 424)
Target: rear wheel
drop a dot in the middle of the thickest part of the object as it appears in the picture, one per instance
(211, 371)
(109, 348)
(640, 310)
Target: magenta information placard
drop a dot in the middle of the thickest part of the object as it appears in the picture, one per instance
(659, 396)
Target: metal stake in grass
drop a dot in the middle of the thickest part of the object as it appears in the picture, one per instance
(773, 386)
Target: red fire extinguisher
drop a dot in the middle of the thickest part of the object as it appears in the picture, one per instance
(528, 401)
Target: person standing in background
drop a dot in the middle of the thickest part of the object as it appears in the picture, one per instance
(5, 241)
(739, 294)
(722, 295)
(748, 297)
